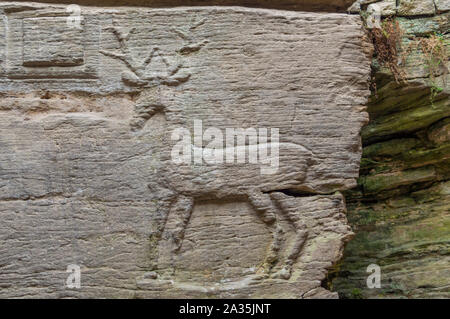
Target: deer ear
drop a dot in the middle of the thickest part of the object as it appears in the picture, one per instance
(131, 79)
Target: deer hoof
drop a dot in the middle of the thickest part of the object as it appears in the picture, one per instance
(150, 275)
(284, 273)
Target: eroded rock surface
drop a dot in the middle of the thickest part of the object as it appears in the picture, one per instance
(400, 209)
(88, 175)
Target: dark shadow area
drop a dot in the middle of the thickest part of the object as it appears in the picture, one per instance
(295, 5)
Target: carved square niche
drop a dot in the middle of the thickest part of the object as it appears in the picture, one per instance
(49, 41)
(43, 45)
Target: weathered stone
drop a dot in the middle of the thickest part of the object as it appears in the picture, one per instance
(378, 183)
(419, 64)
(416, 65)
(356, 6)
(442, 5)
(416, 7)
(88, 172)
(324, 218)
(417, 158)
(420, 27)
(383, 8)
(407, 121)
(390, 148)
(49, 42)
(439, 133)
(386, 7)
(409, 240)
(399, 211)
(395, 97)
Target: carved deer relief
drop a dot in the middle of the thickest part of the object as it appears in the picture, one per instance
(178, 186)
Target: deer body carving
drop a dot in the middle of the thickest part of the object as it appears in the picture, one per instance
(179, 186)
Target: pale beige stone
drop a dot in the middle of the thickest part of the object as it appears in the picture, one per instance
(416, 7)
(387, 7)
(442, 5)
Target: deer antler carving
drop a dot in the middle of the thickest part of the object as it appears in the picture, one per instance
(189, 45)
(137, 75)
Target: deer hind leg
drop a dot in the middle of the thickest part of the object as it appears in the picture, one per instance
(294, 252)
(267, 211)
(296, 245)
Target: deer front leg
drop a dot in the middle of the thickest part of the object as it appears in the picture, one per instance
(296, 245)
(165, 198)
(182, 211)
(267, 211)
(173, 233)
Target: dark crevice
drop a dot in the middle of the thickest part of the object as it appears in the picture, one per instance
(395, 136)
(298, 193)
(294, 5)
(326, 282)
(418, 16)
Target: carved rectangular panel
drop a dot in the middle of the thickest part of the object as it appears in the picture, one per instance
(43, 45)
(49, 41)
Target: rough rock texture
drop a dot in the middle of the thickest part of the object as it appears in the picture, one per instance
(400, 209)
(442, 5)
(415, 8)
(87, 173)
(406, 8)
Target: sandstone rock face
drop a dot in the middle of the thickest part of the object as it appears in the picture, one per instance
(442, 5)
(400, 209)
(414, 7)
(116, 152)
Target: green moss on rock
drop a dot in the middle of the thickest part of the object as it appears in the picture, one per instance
(405, 122)
(400, 211)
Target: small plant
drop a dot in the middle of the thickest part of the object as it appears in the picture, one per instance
(387, 44)
(435, 53)
(435, 56)
(435, 90)
(356, 294)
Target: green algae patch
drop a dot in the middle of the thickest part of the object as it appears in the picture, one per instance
(417, 158)
(390, 148)
(391, 98)
(377, 183)
(400, 211)
(405, 122)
